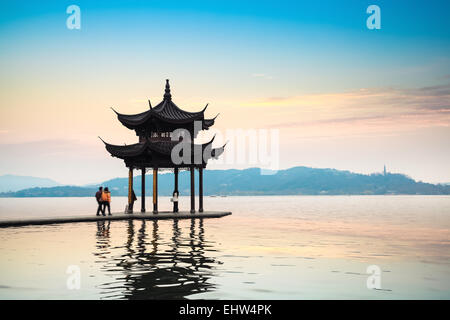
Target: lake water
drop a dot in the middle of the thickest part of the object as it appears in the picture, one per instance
(286, 247)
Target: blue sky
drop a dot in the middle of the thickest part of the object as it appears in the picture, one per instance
(327, 34)
(400, 17)
(310, 68)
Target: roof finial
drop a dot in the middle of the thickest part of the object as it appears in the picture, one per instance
(102, 140)
(167, 95)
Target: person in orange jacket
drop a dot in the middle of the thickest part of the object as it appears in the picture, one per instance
(106, 199)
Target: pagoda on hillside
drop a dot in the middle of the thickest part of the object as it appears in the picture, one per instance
(158, 132)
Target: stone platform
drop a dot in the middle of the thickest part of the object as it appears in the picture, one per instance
(115, 216)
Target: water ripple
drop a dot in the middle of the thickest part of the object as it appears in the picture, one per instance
(147, 267)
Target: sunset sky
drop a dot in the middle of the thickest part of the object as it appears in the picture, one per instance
(342, 96)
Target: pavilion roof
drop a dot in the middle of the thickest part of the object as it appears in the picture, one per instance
(161, 148)
(166, 111)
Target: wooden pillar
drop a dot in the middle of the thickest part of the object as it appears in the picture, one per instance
(192, 173)
(155, 190)
(175, 203)
(143, 190)
(192, 190)
(130, 190)
(200, 189)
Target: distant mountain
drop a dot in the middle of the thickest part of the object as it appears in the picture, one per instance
(11, 182)
(62, 191)
(294, 181)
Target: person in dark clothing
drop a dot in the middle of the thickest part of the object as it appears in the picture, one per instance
(98, 196)
(174, 199)
(133, 199)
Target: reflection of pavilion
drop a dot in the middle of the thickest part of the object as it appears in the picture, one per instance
(154, 268)
(103, 241)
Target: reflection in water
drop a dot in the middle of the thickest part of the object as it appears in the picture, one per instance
(159, 267)
(103, 241)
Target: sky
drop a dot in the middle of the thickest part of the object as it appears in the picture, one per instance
(339, 94)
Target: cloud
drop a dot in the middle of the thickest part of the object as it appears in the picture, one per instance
(66, 161)
(262, 76)
(440, 94)
(444, 77)
(434, 90)
(385, 108)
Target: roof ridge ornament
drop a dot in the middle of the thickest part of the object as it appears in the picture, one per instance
(102, 140)
(211, 141)
(149, 104)
(167, 95)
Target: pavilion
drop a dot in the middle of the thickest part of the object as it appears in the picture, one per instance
(158, 129)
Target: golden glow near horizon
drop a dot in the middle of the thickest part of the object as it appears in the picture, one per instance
(58, 126)
(338, 100)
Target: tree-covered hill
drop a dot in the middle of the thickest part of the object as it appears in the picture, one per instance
(293, 181)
